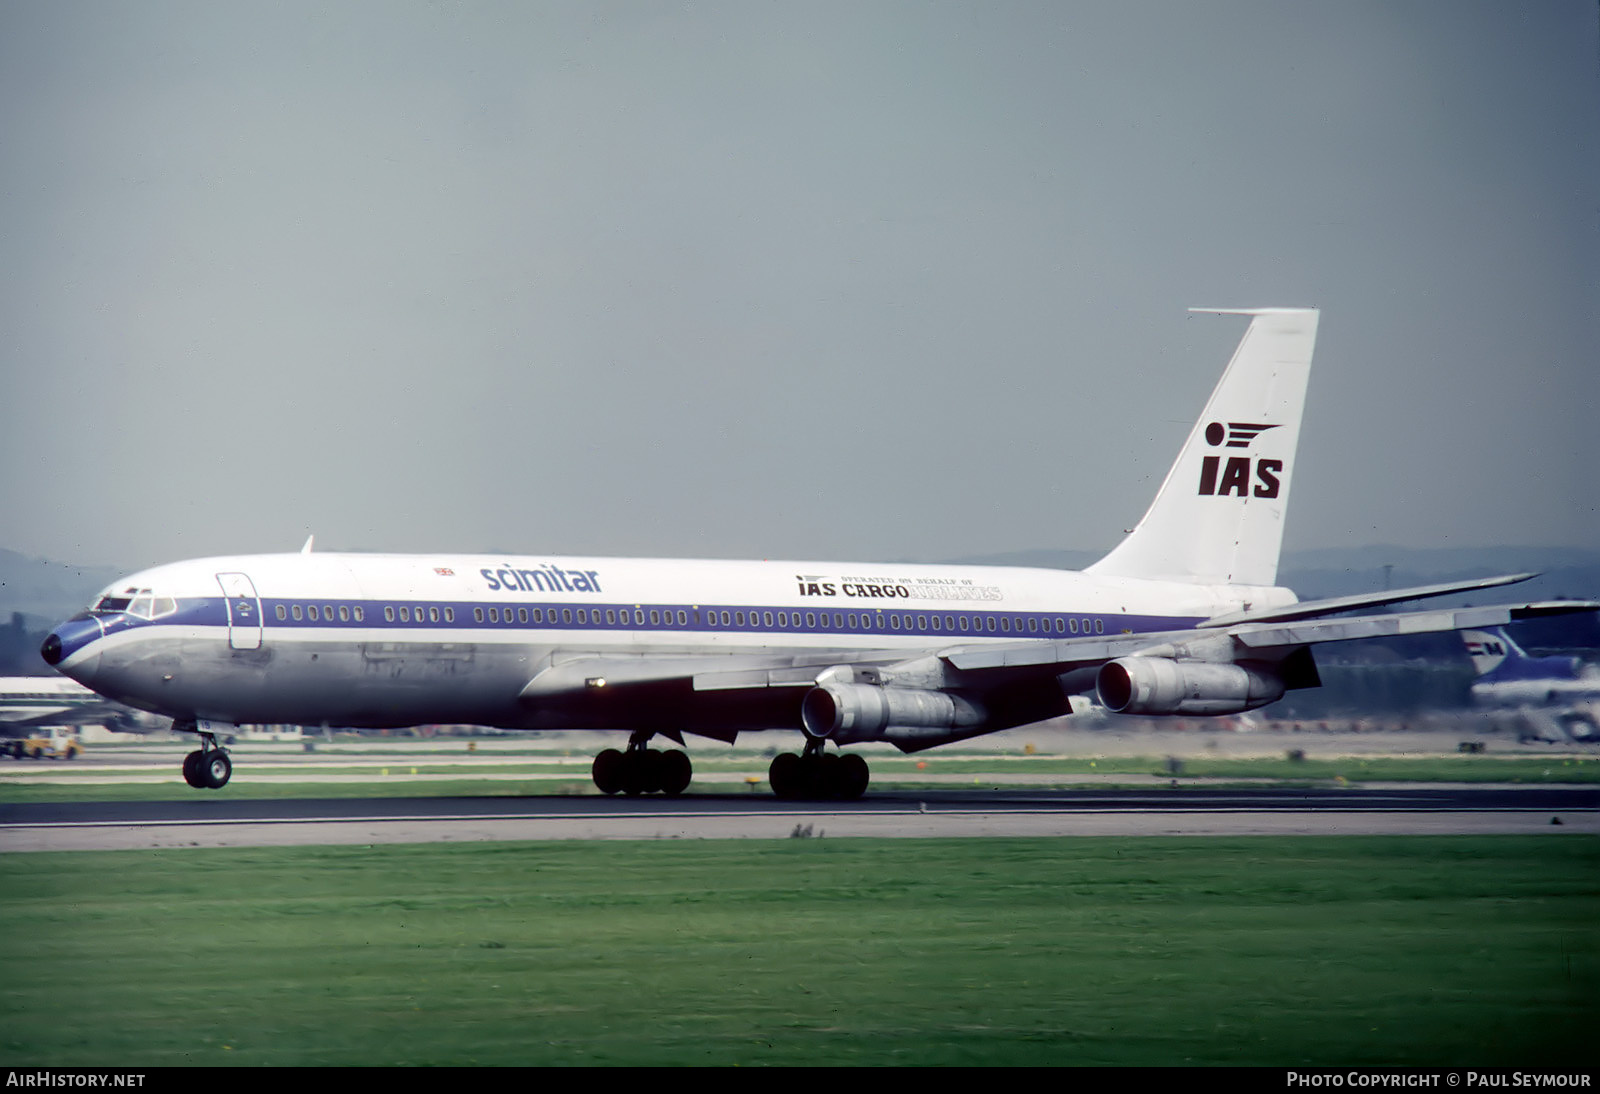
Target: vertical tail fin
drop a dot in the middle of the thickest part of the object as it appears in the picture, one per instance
(1218, 517)
(1488, 649)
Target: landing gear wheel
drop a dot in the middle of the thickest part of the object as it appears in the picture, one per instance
(786, 776)
(853, 776)
(642, 775)
(191, 769)
(216, 769)
(675, 771)
(642, 770)
(607, 771)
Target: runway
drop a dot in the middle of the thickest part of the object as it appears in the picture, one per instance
(219, 822)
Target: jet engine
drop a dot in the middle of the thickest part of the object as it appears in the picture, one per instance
(1159, 685)
(848, 713)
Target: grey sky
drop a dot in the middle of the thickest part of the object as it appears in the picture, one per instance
(851, 281)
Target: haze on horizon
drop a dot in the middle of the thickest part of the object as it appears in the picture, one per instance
(823, 280)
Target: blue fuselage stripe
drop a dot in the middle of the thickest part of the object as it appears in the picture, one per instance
(900, 621)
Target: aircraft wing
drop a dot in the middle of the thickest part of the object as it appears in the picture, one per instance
(1248, 640)
(584, 673)
(1307, 609)
(78, 714)
(579, 673)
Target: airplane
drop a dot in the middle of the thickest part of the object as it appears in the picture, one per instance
(30, 701)
(1182, 617)
(1559, 694)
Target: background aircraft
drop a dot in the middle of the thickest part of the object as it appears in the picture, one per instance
(1558, 696)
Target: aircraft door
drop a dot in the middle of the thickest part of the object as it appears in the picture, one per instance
(244, 611)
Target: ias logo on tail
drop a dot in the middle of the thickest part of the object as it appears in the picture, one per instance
(1218, 479)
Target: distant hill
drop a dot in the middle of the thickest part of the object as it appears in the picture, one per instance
(47, 592)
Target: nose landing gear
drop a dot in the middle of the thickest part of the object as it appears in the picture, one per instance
(208, 767)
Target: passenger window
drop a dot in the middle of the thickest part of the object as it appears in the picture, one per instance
(360, 615)
(477, 615)
(311, 612)
(583, 616)
(738, 619)
(566, 615)
(327, 612)
(767, 617)
(1005, 622)
(655, 617)
(433, 615)
(405, 614)
(611, 617)
(683, 618)
(811, 621)
(538, 615)
(294, 610)
(522, 614)
(922, 622)
(449, 615)
(281, 613)
(1099, 626)
(388, 612)
(1033, 625)
(344, 613)
(494, 615)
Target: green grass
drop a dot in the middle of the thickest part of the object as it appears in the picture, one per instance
(1338, 951)
(552, 778)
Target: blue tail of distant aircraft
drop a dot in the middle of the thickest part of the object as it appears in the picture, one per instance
(1496, 657)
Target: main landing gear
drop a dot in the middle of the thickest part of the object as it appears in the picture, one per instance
(817, 775)
(642, 770)
(208, 767)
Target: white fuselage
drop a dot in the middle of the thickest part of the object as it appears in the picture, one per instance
(398, 640)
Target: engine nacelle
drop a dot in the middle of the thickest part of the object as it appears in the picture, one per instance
(848, 713)
(1159, 685)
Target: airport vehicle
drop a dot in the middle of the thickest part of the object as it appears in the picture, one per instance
(47, 743)
(1559, 696)
(1183, 617)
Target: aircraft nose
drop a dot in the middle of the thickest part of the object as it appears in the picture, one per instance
(63, 644)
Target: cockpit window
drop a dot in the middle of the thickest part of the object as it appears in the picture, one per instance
(139, 603)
